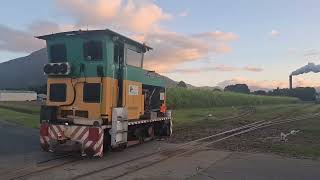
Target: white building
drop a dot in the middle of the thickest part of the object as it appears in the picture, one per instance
(9, 95)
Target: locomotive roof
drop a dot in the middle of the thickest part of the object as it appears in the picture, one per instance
(95, 32)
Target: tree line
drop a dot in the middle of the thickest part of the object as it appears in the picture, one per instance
(303, 93)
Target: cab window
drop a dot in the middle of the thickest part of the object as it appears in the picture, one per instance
(92, 50)
(58, 92)
(58, 53)
(91, 92)
(134, 58)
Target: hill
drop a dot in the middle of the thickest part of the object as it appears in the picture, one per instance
(23, 72)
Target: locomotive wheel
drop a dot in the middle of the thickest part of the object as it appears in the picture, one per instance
(107, 142)
(139, 133)
(45, 147)
(166, 131)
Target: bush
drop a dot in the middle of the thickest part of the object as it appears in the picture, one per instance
(195, 98)
(240, 88)
(303, 93)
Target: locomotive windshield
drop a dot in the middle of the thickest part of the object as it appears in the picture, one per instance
(58, 53)
(134, 58)
(92, 50)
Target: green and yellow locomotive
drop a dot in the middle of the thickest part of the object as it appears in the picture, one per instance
(99, 95)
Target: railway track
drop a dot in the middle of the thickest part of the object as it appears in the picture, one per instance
(55, 162)
(246, 112)
(40, 166)
(133, 165)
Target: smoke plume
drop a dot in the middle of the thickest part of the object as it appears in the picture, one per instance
(310, 67)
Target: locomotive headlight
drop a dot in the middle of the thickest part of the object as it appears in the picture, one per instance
(63, 68)
(57, 69)
(47, 69)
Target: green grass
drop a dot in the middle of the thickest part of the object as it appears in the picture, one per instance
(199, 115)
(306, 151)
(24, 119)
(195, 116)
(315, 131)
(178, 98)
(23, 107)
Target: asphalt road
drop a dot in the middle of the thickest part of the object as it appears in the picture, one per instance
(17, 140)
(19, 147)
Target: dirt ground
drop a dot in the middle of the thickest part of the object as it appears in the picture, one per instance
(304, 144)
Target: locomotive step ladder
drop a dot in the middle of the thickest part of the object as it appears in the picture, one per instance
(119, 128)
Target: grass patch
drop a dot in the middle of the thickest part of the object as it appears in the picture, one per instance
(311, 132)
(24, 119)
(23, 107)
(196, 115)
(178, 98)
(310, 151)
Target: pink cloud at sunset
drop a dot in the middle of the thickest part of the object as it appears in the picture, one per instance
(133, 15)
(221, 68)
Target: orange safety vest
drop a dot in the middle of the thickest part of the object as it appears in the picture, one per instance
(163, 108)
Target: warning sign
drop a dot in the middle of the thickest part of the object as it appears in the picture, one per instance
(133, 90)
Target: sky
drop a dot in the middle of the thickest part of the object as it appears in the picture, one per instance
(204, 43)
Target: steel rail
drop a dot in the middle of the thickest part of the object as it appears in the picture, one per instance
(248, 126)
(255, 127)
(29, 171)
(244, 128)
(21, 173)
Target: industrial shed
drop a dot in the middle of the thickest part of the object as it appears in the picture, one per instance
(8, 95)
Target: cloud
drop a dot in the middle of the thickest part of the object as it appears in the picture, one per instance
(184, 13)
(274, 33)
(311, 52)
(252, 69)
(219, 35)
(43, 27)
(303, 82)
(14, 40)
(138, 19)
(217, 68)
(24, 41)
(171, 49)
(137, 16)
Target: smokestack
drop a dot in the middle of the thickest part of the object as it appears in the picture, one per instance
(310, 67)
(290, 82)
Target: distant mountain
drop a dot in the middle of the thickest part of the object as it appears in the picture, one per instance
(209, 88)
(172, 83)
(23, 72)
(27, 72)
